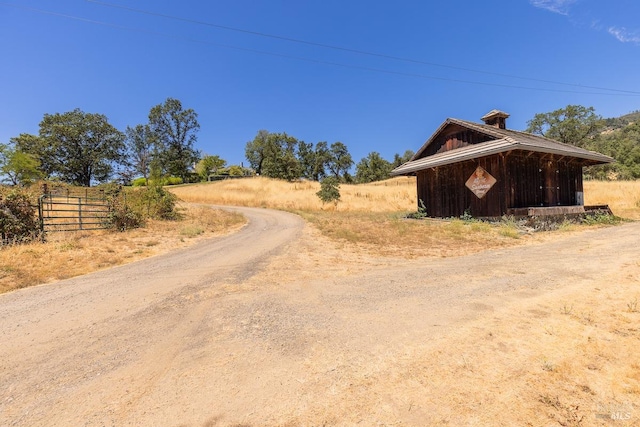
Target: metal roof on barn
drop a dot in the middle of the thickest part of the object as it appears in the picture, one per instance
(505, 140)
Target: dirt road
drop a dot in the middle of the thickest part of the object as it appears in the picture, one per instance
(268, 326)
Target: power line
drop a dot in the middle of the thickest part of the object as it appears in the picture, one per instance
(346, 49)
(310, 60)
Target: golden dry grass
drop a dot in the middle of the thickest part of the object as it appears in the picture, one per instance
(371, 215)
(394, 195)
(69, 254)
(393, 235)
(623, 197)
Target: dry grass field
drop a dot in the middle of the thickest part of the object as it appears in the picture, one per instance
(623, 197)
(565, 357)
(368, 217)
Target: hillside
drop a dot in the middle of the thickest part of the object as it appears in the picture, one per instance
(615, 123)
(620, 139)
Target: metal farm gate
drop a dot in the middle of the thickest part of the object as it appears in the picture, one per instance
(67, 212)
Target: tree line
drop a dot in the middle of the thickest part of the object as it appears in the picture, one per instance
(84, 148)
(282, 156)
(581, 126)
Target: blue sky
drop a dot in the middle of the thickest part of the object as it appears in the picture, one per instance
(375, 75)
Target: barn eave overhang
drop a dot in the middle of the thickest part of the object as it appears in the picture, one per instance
(490, 148)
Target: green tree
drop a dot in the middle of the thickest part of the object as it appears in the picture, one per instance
(274, 155)
(255, 150)
(75, 146)
(208, 165)
(329, 190)
(236, 170)
(624, 146)
(174, 133)
(399, 160)
(18, 167)
(574, 124)
(322, 157)
(18, 218)
(307, 159)
(339, 161)
(140, 147)
(372, 168)
(42, 152)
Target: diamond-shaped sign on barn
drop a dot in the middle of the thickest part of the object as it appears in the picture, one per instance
(480, 182)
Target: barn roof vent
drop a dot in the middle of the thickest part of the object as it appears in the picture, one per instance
(496, 118)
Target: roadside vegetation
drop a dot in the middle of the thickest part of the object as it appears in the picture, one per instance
(69, 254)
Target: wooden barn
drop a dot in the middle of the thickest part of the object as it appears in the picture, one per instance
(487, 170)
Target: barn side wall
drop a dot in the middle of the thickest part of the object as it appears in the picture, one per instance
(523, 179)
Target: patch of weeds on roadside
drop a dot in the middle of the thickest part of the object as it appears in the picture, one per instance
(510, 232)
(601, 218)
(456, 227)
(509, 227)
(421, 213)
(567, 309)
(467, 217)
(69, 245)
(548, 366)
(480, 227)
(567, 226)
(632, 306)
(191, 230)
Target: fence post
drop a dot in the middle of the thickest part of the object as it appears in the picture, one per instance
(80, 212)
(40, 214)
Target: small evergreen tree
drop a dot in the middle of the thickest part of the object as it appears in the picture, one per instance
(329, 190)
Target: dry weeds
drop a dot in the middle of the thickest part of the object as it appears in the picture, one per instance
(368, 217)
(394, 195)
(623, 197)
(69, 254)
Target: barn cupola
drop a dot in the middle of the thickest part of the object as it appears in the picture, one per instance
(496, 118)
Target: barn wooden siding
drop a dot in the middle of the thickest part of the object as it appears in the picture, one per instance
(524, 179)
(456, 137)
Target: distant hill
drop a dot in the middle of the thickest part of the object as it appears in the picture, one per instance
(622, 121)
(619, 139)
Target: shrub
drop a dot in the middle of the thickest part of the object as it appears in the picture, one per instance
(131, 208)
(172, 180)
(329, 190)
(121, 216)
(18, 219)
(601, 218)
(139, 182)
(420, 213)
(167, 180)
(153, 202)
